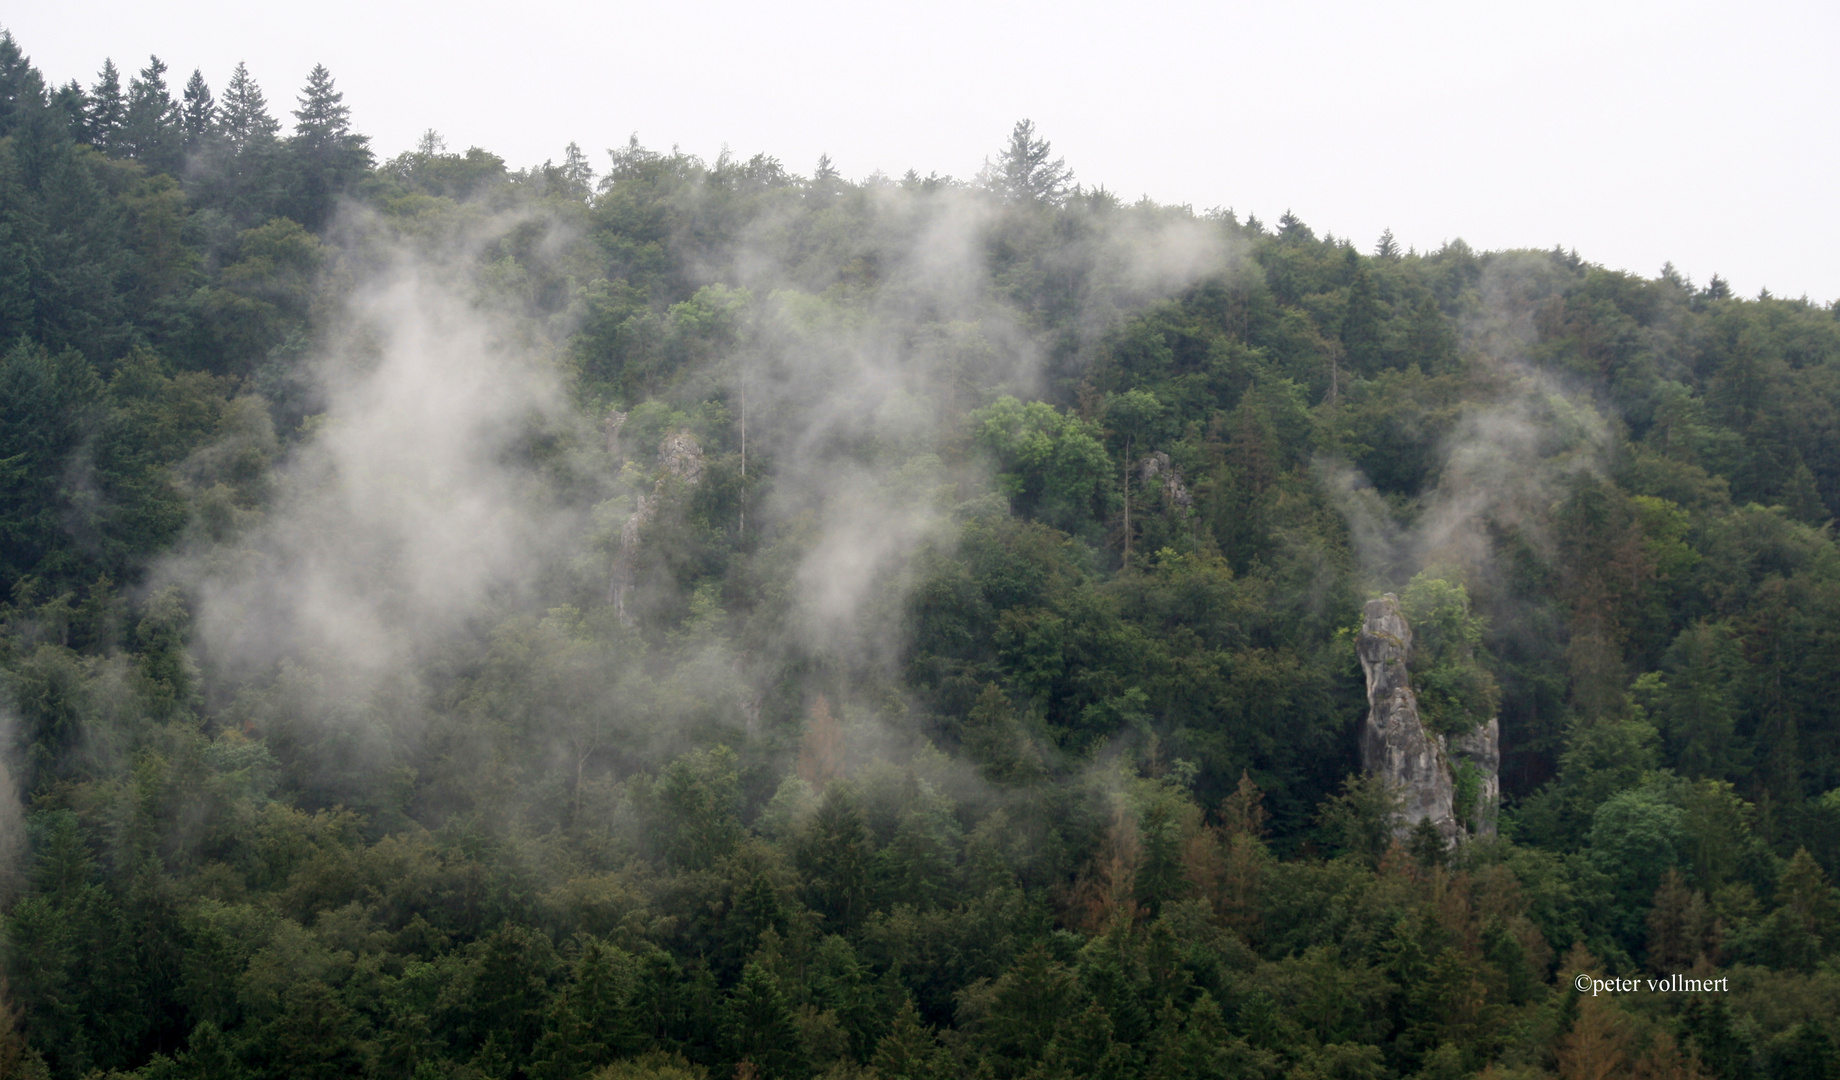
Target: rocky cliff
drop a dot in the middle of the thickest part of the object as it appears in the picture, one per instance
(680, 460)
(1455, 784)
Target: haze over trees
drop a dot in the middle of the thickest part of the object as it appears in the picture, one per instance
(695, 619)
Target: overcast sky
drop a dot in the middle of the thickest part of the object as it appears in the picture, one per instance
(1638, 133)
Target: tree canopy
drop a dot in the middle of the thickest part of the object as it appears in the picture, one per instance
(698, 620)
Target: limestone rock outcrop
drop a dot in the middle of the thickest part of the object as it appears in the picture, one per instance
(680, 458)
(1158, 465)
(1435, 778)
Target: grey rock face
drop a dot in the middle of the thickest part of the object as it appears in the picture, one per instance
(615, 421)
(1396, 745)
(1158, 464)
(1480, 750)
(681, 458)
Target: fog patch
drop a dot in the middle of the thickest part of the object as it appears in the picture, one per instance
(1507, 460)
(402, 512)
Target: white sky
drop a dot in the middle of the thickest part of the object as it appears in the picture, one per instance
(1638, 132)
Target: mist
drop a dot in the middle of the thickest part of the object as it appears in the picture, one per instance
(448, 480)
(703, 620)
(1503, 466)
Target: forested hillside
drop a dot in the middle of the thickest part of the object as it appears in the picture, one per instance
(649, 617)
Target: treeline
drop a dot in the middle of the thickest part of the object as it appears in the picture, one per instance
(1073, 790)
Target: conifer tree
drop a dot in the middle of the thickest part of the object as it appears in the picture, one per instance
(18, 252)
(825, 179)
(323, 117)
(150, 131)
(244, 118)
(19, 84)
(328, 156)
(198, 113)
(910, 1050)
(71, 105)
(576, 171)
(758, 1026)
(1433, 346)
(107, 107)
(1292, 230)
(1361, 322)
(1024, 173)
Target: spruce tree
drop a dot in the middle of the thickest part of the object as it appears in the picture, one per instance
(18, 254)
(323, 119)
(910, 1050)
(244, 118)
(107, 107)
(1360, 330)
(150, 131)
(576, 170)
(71, 105)
(1292, 230)
(328, 156)
(1432, 342)
(1024, 173)
(758, 1027)
(17, 84)
(198, 113)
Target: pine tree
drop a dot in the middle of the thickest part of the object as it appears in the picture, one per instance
(1677, 925)
(1159, 877)
(323, 119)
(576, 172)
(1806, 924)
(328, 157)
(1025, 1008)
(1432, 345)
(20, 84)
(17, 1059)
(1361, 322)
(71, 105)
(758, 1026)
(244, 118)
(199, 112)
(835, 856)
(755, 910)
(910, 1050)
(208, 1055)
(1722, 1044)
(1426, 845)
(18, 249)
(242, 169)
(1292, 230)
(150, 131)
(1387, 248)
(107, 107)
(1599, 1044)
(1806, 1054)
(825, 180)
(1023, 172)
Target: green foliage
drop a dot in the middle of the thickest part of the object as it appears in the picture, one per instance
(1052, 465)
(564, 840)
(1456, 692)
(692, 809)
(1360, 819)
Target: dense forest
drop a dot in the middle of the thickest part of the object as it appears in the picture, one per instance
(665, 618)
